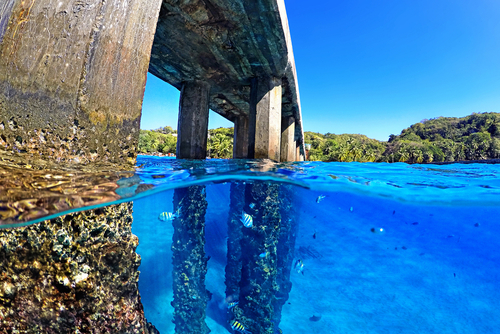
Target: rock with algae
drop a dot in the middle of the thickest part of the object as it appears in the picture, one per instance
(72, 274)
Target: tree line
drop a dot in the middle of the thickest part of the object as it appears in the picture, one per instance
(474, 137)
(164, 140)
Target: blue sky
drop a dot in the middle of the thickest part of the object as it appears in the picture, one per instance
(376, 67)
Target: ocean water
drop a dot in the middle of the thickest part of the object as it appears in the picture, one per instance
(332, 247)
(390, 248)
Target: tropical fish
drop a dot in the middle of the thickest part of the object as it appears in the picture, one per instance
(315, 318)
(246, 219)
(166, 216)
(320, 198)
(377, 230)
(351, 209)
(252, 205)
(263, 255)
(231, 305)
(236, 326)
(299, 266)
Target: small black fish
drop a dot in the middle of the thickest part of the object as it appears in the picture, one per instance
(393, 212)
(415, 223)
(477, 224)
(315, 318)
(454, 275)
(404, 247)
(314, 235)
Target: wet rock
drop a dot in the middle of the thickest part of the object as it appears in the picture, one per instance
(53, 280)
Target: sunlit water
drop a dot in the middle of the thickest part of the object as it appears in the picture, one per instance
(383, 248)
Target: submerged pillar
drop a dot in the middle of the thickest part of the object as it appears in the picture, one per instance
(192, 126)
(265, 119)
(189, 261)
(241, 137)
(234, 236)
(258, 285)
(285, 251)
(287, 139)
(72, 77)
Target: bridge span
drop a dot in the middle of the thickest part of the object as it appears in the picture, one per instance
(73, 72)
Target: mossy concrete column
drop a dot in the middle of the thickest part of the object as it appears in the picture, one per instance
(258, 285)
(234, 236)
(72, 76)
(287, 139)
(285, 250)
(265, 118)
(241, 136)
(192, 125)
(189, 261)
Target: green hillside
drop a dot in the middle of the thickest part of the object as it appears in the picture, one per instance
(474, 137)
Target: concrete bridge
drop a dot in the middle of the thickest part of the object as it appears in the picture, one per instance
(73, 72)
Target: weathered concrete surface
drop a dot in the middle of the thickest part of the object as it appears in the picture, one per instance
(192, 124)
(288, 139)
(72, 76)
(266, 104)
(73, 274)
(241, 136)
(227, 43)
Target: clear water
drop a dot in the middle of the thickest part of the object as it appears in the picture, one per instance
(390, 248)
(435, 268)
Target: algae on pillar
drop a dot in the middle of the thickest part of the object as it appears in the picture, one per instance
(234, 236)
(258, 286)
(189, 261)
(285, 250)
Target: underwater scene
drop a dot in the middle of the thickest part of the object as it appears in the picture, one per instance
(253, 246)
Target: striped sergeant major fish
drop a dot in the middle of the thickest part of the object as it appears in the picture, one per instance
(167, 216)
(231, 305)
(246, 219)
(236, 326)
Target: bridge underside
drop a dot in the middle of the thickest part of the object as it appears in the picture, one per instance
(228, 44)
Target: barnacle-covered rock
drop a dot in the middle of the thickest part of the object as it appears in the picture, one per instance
(73, 274)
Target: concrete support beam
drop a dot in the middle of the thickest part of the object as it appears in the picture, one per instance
(192, 126)
(72, 77)
(297, 153)
(241, 136)
(265, 119)
(287, 139)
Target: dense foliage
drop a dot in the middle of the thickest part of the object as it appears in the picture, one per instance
(154, 141)
(473, 137)
(220, 143)
(345, 147)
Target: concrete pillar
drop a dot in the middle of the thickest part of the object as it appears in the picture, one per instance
(72, 76)
(189, 263)
(287, 139)
(297, 152)
(265, 119)
(192, 126)
(241, 136)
